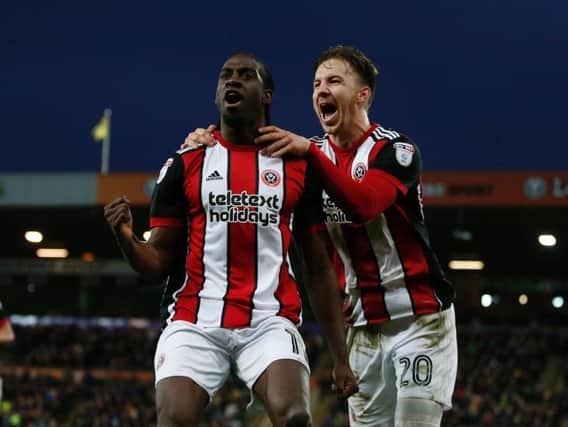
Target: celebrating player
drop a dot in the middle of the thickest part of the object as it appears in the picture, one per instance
(222, 220)
(398, 305)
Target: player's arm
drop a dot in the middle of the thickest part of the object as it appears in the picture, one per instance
(153, 258)
(320, 282)
(395, 168)
(322, 288)
(156, 257)
(362, 200)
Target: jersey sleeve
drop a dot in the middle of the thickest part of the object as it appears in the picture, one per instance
(169, 205)
(400, 162)
(360, 200)
(308, 214)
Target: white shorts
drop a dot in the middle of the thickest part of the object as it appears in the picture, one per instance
(206, 354)
(414, 357)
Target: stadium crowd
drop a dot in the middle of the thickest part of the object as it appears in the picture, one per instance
(68, 376)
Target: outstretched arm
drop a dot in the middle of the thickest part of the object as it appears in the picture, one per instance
(154, 258)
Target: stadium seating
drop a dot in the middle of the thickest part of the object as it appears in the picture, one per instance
(63, 375)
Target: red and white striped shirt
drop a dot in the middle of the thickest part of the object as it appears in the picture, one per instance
(386, 265)
(238, 206)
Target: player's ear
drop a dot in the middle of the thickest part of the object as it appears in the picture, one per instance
(267, 97)
(363, 95)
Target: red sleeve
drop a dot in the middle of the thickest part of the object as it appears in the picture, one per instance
(362, 201)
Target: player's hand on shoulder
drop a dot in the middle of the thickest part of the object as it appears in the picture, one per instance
(281, 142)
(117, 214)
(200, 137)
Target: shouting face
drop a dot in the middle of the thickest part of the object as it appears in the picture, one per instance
(240, 92)
(339, 96)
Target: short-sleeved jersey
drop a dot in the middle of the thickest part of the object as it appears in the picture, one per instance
(386, 266)
(238, 208)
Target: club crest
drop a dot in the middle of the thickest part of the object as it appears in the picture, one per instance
(270, 177)
(359, 171)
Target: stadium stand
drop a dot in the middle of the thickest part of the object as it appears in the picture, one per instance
(509, 375)
(86, 326)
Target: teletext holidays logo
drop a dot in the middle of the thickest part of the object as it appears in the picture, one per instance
(333, 214)
(244, 207)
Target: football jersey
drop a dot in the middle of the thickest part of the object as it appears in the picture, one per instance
(386, 266)
(238, 208)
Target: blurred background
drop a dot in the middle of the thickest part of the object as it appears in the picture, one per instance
(94, 96)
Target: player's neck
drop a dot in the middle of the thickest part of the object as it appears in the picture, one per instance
(350, 133)
(240, 134)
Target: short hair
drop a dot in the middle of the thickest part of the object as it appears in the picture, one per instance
(362, 65)
(266, 74)
(264, 71)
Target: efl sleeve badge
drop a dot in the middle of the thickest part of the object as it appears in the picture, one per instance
(403, 153)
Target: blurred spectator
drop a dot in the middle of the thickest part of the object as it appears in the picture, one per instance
(76, 347)
(6, 335)
(507, 377)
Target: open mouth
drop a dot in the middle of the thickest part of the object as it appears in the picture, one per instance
(232, 97)
(328, 112)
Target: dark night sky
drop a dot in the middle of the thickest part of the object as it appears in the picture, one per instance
(477, 84)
